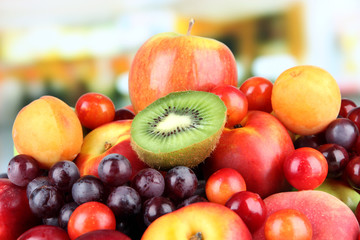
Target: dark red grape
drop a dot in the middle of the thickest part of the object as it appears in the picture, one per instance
(36, 183)
(115, 170)
(63, 174)
(180, 183)
(346, 106)
(191, 200)
(353, 172)
(337, 158)
(312, 141)
(65, 213)
(22, 169)
(156, 207)
(250, 207)
(51, 221)
(123, 113)
(88, 188)
(148, 183)
(46, 201)
(354, 115)
(342, 131)
(124, 201)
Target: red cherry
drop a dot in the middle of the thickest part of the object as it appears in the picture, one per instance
(235, 102)
(94, 109)
(250, 207)
(258, 93)
(346, 106)
(306, 168)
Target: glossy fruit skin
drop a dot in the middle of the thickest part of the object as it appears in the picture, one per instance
(103, 235)
(352, 172)
(22, 169)
(63, 175)
(124, 201)
(15, 214)
(250, 207)
(313, 141)
(342, 131)
(170, 62)
(262, 142)
(224, 183)
(123, 114)
(115, 170)
(94, 110)
(155, 207)
(337, 158)
(288, 224)
(88, 188)
(354, 115)
(149, 183)
(258, 92)
(36, 183)
(306, 168)
(44, 232)
(235, 102)
(46, 201)
(346, 106)
(88, 217)
(65, 213)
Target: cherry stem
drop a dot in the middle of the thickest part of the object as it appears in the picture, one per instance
(191, 24)
(197, 236)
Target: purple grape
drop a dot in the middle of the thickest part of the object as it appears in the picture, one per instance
(123, 113)
(115, 170)
(337, 158)
(180, 183)
(148, 183)
(22, 169)
(124, 201)
(190, 200)
(156, 207)
(65, 213)
(312, 141)
(342, 131)
(36, 183)
(46, 201)
(3, 175)
(88, 188)
(63, 174)
(52, 221)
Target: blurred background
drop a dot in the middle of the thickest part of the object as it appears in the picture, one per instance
(66, 48)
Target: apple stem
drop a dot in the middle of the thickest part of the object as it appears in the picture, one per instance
(197, 236)
(107, 146)
(191, 24)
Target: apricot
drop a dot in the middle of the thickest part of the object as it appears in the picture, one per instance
(48, 130)
(306, 99)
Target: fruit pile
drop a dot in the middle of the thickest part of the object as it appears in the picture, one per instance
(193, 157)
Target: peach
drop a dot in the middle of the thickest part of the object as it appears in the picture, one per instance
(306, 99)
(48, 130)
(202, 220)
(330, 217)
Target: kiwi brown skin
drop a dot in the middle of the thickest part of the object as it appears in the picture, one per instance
(190, 156)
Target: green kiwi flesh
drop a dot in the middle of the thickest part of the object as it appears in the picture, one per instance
(181, 128)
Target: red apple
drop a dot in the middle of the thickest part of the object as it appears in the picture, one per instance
(113, 137)
(15, 214)
(257, 151)
(169, 62)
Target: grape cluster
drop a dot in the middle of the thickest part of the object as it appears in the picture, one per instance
(340, 144)
(136, 200)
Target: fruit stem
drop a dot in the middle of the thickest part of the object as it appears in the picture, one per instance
(107, 146)
(191, 24)
(197, 236)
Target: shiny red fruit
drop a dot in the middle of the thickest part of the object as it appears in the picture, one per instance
(306, 168)
(94, 110)
(222, 184)
(354, 115)
(235, 102)
(104, 235)
(250, 207)
(353, 172)
(44, 232)
(90, 216)
(258, 93)
(288, 224)
(346, 106)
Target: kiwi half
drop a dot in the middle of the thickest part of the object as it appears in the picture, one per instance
(181, 128)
